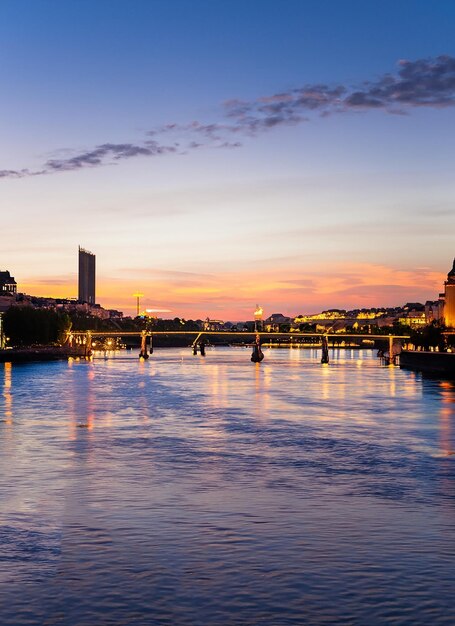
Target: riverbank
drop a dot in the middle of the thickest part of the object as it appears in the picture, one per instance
(436, 363)
(28, 355)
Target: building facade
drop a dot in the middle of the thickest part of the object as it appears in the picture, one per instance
(8, 285)
(212, 325)
(449, 298)
(86, 276)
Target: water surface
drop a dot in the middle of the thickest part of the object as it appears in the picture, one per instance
(194, 491)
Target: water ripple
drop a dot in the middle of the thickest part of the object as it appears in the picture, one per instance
(207, 492)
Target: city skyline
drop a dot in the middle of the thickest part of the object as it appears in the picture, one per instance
(293, 162)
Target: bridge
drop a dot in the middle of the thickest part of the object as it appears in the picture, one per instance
(85, 338)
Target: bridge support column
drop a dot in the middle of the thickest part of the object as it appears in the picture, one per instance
(88, 344)
(195, 345)
(325, 349)
(68, 342)
(391, 359)
(2, 334)
(143, 354)
(257, 355)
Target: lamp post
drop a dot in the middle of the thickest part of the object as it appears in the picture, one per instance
(258, 318)
(137, 296)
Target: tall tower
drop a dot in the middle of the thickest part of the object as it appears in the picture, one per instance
(449, 300)
(86, 276)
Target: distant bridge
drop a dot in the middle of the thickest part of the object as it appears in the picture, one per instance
(86, 337)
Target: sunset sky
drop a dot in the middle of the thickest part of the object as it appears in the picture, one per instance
(216, 154)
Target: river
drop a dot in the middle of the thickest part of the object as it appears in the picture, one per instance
(214, 491)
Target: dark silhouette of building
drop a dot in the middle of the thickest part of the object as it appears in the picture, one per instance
(8, 285)
(449, 298)
(86, 276)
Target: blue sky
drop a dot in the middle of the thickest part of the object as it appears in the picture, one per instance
(213, 229)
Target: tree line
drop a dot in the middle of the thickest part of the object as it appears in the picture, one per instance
(27, 326)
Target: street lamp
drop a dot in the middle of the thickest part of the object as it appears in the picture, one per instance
(137, 296)
(258, 318)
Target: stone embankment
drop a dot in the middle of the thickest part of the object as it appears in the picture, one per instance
(435, 363)
(42, 353)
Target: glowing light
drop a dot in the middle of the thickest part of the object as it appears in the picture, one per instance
(7, 384)
(258, 312)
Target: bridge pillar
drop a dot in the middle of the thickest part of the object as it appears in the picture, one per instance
(2, 334)
(392, 358)
(68, 342)
(143, 354)
(196, 342)
(257, 355)
(325, 349)
(88, 344)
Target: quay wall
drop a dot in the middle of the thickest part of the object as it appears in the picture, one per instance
(26, 355)
(438, 363)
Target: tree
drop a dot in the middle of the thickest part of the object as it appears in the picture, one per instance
(26, 326)
(429, 337)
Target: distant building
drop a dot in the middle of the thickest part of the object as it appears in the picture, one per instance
(213, 325)
(449, 298)
(413, 318)
(413, 306)
(274, 322)
(86, 276)
(8, 285)
(434, 310)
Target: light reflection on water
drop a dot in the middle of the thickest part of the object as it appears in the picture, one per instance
(218, 491)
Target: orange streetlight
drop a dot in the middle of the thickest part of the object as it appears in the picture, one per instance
(137, 296)
(258, 318)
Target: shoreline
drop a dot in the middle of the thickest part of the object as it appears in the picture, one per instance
(433, 363)
(30, 355)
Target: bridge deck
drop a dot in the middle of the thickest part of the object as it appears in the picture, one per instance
(227, 333)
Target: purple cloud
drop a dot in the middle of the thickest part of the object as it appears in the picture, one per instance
(98, 155)
(426, 82)
(421, 83)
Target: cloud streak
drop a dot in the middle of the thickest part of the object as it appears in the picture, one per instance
(101, 154)
(420, 83)
(18, 173)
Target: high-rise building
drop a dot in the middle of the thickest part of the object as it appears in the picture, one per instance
(449, 298)
(86, 276)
